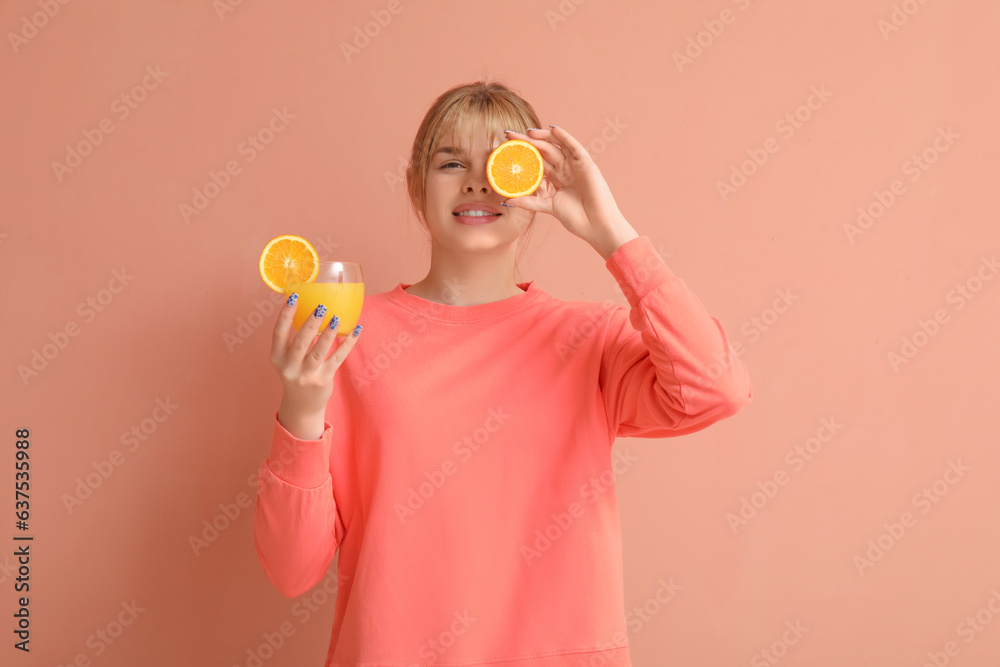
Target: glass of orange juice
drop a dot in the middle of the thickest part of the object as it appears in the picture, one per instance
(340, 286)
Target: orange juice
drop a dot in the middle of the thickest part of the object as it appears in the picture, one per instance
(341, 299)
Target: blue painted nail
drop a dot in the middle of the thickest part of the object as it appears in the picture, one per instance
(292, 299)
(320, 310)
(504, 204)
(357, 330)
(534, 128)
(553, 125)
(334, 322)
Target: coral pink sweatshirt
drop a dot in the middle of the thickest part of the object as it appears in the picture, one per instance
(466, 471)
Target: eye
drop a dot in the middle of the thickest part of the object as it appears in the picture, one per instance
(446, 165)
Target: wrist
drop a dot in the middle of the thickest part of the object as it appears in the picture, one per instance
(614, 238)
(303, 424)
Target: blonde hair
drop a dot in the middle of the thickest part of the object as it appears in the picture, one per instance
(456, 112)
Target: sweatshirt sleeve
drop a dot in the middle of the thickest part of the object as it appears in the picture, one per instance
(667, 368)
(297, 528)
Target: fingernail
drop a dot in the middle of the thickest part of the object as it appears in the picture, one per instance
(334, 322)
(357, 330)
(553, 125)
(504, 204)
(293, 298)
(508, 130)
(534, 128)
(320, 311)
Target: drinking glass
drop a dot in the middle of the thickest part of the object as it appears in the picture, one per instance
(340, 286)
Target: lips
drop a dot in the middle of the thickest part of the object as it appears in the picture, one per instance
(475, 207)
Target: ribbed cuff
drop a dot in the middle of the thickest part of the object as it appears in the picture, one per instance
(638, 268)
(302, 463)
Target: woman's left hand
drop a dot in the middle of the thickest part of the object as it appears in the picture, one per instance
(572, 189)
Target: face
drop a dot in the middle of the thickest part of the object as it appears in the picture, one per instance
(456, 176)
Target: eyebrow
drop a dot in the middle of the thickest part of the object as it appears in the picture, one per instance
(450, 150)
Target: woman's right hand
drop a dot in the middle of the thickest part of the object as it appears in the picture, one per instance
(305, 370)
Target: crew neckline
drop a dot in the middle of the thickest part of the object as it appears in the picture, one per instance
(481, 311)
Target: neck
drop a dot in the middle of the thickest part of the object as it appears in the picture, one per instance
(468, 278)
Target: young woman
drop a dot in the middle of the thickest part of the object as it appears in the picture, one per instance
(460, 459)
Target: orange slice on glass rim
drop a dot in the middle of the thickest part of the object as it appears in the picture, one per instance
(515, 168)
(288, 259)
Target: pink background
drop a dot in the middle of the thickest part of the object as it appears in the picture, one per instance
(186, 326)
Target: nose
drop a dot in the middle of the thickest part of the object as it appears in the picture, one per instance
(476, 180)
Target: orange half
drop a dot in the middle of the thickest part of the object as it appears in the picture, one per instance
(515, 168)
(288, 259)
